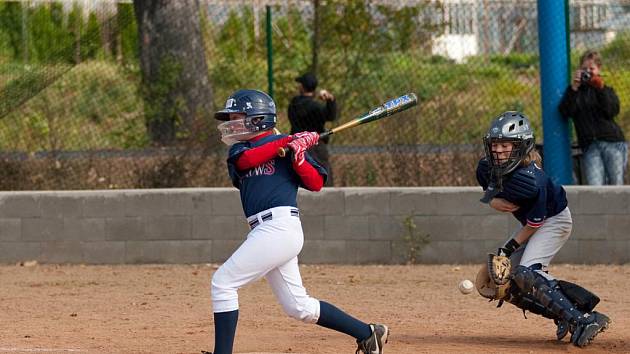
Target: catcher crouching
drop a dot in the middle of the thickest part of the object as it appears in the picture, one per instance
(513, 181)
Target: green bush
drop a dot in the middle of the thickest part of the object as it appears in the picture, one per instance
(618, 51)
(364, 60)
(93, 106)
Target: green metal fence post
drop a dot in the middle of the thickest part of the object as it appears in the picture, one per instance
(575, 158)
(269, 53)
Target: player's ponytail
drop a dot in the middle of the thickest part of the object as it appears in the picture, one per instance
(533, 156)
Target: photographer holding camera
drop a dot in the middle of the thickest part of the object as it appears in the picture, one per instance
(593, 107)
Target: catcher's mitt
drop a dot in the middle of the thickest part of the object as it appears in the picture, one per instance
(493, 279)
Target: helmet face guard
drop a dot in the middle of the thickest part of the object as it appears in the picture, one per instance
(510, 127)
(245, 128)
(520, 150)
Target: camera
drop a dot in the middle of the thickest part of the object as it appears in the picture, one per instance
(585, 76)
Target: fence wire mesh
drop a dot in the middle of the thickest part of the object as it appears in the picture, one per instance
(84, 104)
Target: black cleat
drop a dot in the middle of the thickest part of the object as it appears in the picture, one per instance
(588, 328)
(374, 343)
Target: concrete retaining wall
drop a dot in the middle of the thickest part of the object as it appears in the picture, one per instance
(342, 225)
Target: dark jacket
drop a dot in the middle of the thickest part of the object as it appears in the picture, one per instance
(593, 111)
(306, 114)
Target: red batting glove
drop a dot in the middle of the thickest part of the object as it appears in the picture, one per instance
(597, 82)
(300, 143)
(311, 138)
(299, 147)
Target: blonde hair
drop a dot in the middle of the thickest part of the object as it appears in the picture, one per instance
(533, 156)
(591, 54)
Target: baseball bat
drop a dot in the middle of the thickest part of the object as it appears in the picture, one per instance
(387, 109)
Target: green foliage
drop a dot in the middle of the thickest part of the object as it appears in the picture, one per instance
(618, 51)
(76, 29)
(368, 53)
(11, 27)
(370, 174)
(128, 33)
(23, 82)
(516, 60)
(91, 43)
(46, 33)
(405, 30)
(85, 39)
(49, 40)
(292, 54)
(350, 52)
(240, 62)
(93, 106)
(161, 101)
(414, 241)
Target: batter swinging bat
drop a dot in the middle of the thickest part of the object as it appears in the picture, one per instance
(388, 108)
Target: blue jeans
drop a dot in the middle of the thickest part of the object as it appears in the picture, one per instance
(605, 162)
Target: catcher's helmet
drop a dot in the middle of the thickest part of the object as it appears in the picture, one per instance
(513, 127)
(259, 110)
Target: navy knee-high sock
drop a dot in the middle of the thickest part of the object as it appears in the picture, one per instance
(224, 331)
(333, 318)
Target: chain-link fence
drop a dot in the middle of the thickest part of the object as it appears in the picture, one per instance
(106, 94)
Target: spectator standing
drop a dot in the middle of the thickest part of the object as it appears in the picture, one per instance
(307, 114)
(593, 107)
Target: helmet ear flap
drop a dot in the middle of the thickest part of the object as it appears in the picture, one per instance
(260, 122)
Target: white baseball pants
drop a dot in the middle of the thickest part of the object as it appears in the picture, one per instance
(270, 250)
(545, 243)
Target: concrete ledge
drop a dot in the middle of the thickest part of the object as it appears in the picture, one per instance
(341, 225)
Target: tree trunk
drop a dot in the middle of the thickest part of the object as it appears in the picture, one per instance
(175, 84)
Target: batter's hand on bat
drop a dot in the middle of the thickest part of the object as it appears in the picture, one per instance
(503, 205)
(300, 143)
(311, 138)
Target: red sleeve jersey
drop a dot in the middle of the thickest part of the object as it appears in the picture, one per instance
(251, 158)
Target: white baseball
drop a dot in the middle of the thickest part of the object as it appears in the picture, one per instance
(466, 286)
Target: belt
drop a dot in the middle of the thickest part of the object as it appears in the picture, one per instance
(273, 213)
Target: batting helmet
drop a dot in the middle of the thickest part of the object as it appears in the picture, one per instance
(259, 110)
(253, 103)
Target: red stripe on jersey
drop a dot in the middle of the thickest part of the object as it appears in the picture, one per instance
(535, 224)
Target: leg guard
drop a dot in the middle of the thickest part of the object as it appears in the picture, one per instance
(527, 302)
(583, 299)
(549, 294)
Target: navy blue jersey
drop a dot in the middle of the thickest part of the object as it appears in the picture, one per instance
(531, 189)
(270, 185)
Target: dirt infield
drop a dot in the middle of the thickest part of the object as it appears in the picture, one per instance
(166, 309)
